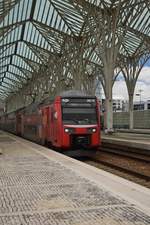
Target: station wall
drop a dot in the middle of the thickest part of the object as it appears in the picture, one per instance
(141, 119)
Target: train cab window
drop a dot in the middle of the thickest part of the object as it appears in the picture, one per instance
(80, 116)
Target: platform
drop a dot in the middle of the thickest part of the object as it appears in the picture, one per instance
(136, 131)
(135, 139)
(41, 187)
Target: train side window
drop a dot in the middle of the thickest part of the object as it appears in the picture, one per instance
(55, 115)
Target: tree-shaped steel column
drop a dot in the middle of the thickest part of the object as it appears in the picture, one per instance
(131, 68)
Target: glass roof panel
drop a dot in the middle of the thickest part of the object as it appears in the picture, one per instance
(33, 30)
(16, 71)
(20, 12)
(12, 36)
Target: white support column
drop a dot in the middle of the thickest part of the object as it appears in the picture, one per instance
(109, 74)
(131, 68)
(131, 122)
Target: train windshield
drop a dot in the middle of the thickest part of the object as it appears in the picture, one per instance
(79, 113)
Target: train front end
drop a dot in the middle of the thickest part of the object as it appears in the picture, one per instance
(80, 123)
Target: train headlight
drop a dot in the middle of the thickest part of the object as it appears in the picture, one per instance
(94, 130)
(69, 130)
(66, 130)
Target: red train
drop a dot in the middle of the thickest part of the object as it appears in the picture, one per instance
(70, 123)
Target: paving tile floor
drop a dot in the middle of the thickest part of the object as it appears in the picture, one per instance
(35, 190)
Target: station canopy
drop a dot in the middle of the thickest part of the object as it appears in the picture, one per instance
(31, 30)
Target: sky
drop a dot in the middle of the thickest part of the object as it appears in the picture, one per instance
(142, 86)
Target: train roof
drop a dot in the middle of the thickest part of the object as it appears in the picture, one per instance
(12, 112)
(33, 107)
(75, 93)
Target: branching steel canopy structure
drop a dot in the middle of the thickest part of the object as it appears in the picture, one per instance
(32, 30)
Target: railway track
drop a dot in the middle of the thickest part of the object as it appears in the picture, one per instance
(132, 164)
(137, 154)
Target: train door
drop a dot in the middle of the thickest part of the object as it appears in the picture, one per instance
(19, 124)
(57, 124)
(52, 137)
(51, 125)
(48, 128)
(45, 125)
(55, 117)
(44, 122)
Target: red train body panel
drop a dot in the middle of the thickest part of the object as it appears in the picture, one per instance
(68, 122)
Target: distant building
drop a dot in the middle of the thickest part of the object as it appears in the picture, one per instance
(142, 105)
(120, 105)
